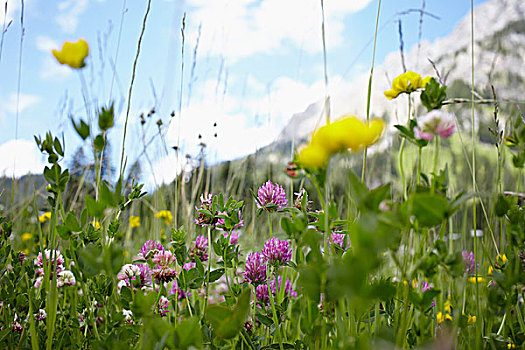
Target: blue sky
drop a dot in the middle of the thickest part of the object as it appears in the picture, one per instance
(258, 62)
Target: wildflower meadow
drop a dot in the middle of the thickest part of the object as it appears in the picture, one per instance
(418, 243)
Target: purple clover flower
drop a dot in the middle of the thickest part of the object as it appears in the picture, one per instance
(470, 262)
(338, 239)
(149, 248)
(255, 268)
(176, 290)
(163, 306)
(201, 248)
(163, 258)
(221, 222)
(277, 252)
(271, 194)
(206, 204)
(234, 237)
(261, 293)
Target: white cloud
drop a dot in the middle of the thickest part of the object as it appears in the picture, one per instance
(69, 11)
(26, 101)
(46, 44)
(20, 157)
(12, 7)
(239, 29)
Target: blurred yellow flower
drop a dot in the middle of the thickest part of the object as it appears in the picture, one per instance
(490, 271)
(471, 319)
(347, 133)
(476, 279)
(26, 236)
(165, 215)
(96, 225)
(502, 259)
(26, 251)
(440, 317)
(45, 217)
(134, 221)
(73, 54)
(407, 82)
(511, 346)
(448, 306)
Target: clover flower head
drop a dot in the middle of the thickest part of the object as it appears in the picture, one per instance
(58, 259)
(73, 54)
(163, 258)
(150, 248)
(277, 252)
(145, 274)
(164, 274)
(435, 122)
(176, 290)
(206, 204)
(128, 316)
(189, 265)
(407, 83)
(41, 315)
(470, 262)
(288, 290)
(270, 193)
(338, 239)
(234, 237)
(66, 278)
(299, 200)
(128, 271)
(221, 222)
(163, 306)
(261, 294)
(200, 249)
(255, 268)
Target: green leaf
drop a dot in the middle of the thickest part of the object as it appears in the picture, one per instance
(358, 190)
(72, 222)
(188, 334)
(310, 282)
(81, 128)
(106, 118)
(94, 208)
(63, 231)
(99, 142)
(226, 322)
(502, 206)
(429, 209)
(216, 274)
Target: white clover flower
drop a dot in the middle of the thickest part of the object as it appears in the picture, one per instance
(66, 278)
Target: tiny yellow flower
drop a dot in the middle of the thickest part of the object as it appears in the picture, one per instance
(73, 54)
(96, 225)
(476, 279)
(134, 221)
(471, 319)
(26, 236)
(501, 260)
(440, 317)
(490, 271)
(165, 215)
(511, 346)
(407, 82)
(26, 251)
(45, 217)
(448, 306)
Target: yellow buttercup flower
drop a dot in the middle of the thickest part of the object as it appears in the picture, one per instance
(73, 54)
(26, 236)
(476, 279)
(407, 82)
(448, 306)
(490, 271)
(471, 319)
(440, 317)
(134, 221)
(96, 225)
(45, 217)
(347, 133)
(165, 215)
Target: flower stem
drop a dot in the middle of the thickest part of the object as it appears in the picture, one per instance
(274, 312)
(270, 225)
